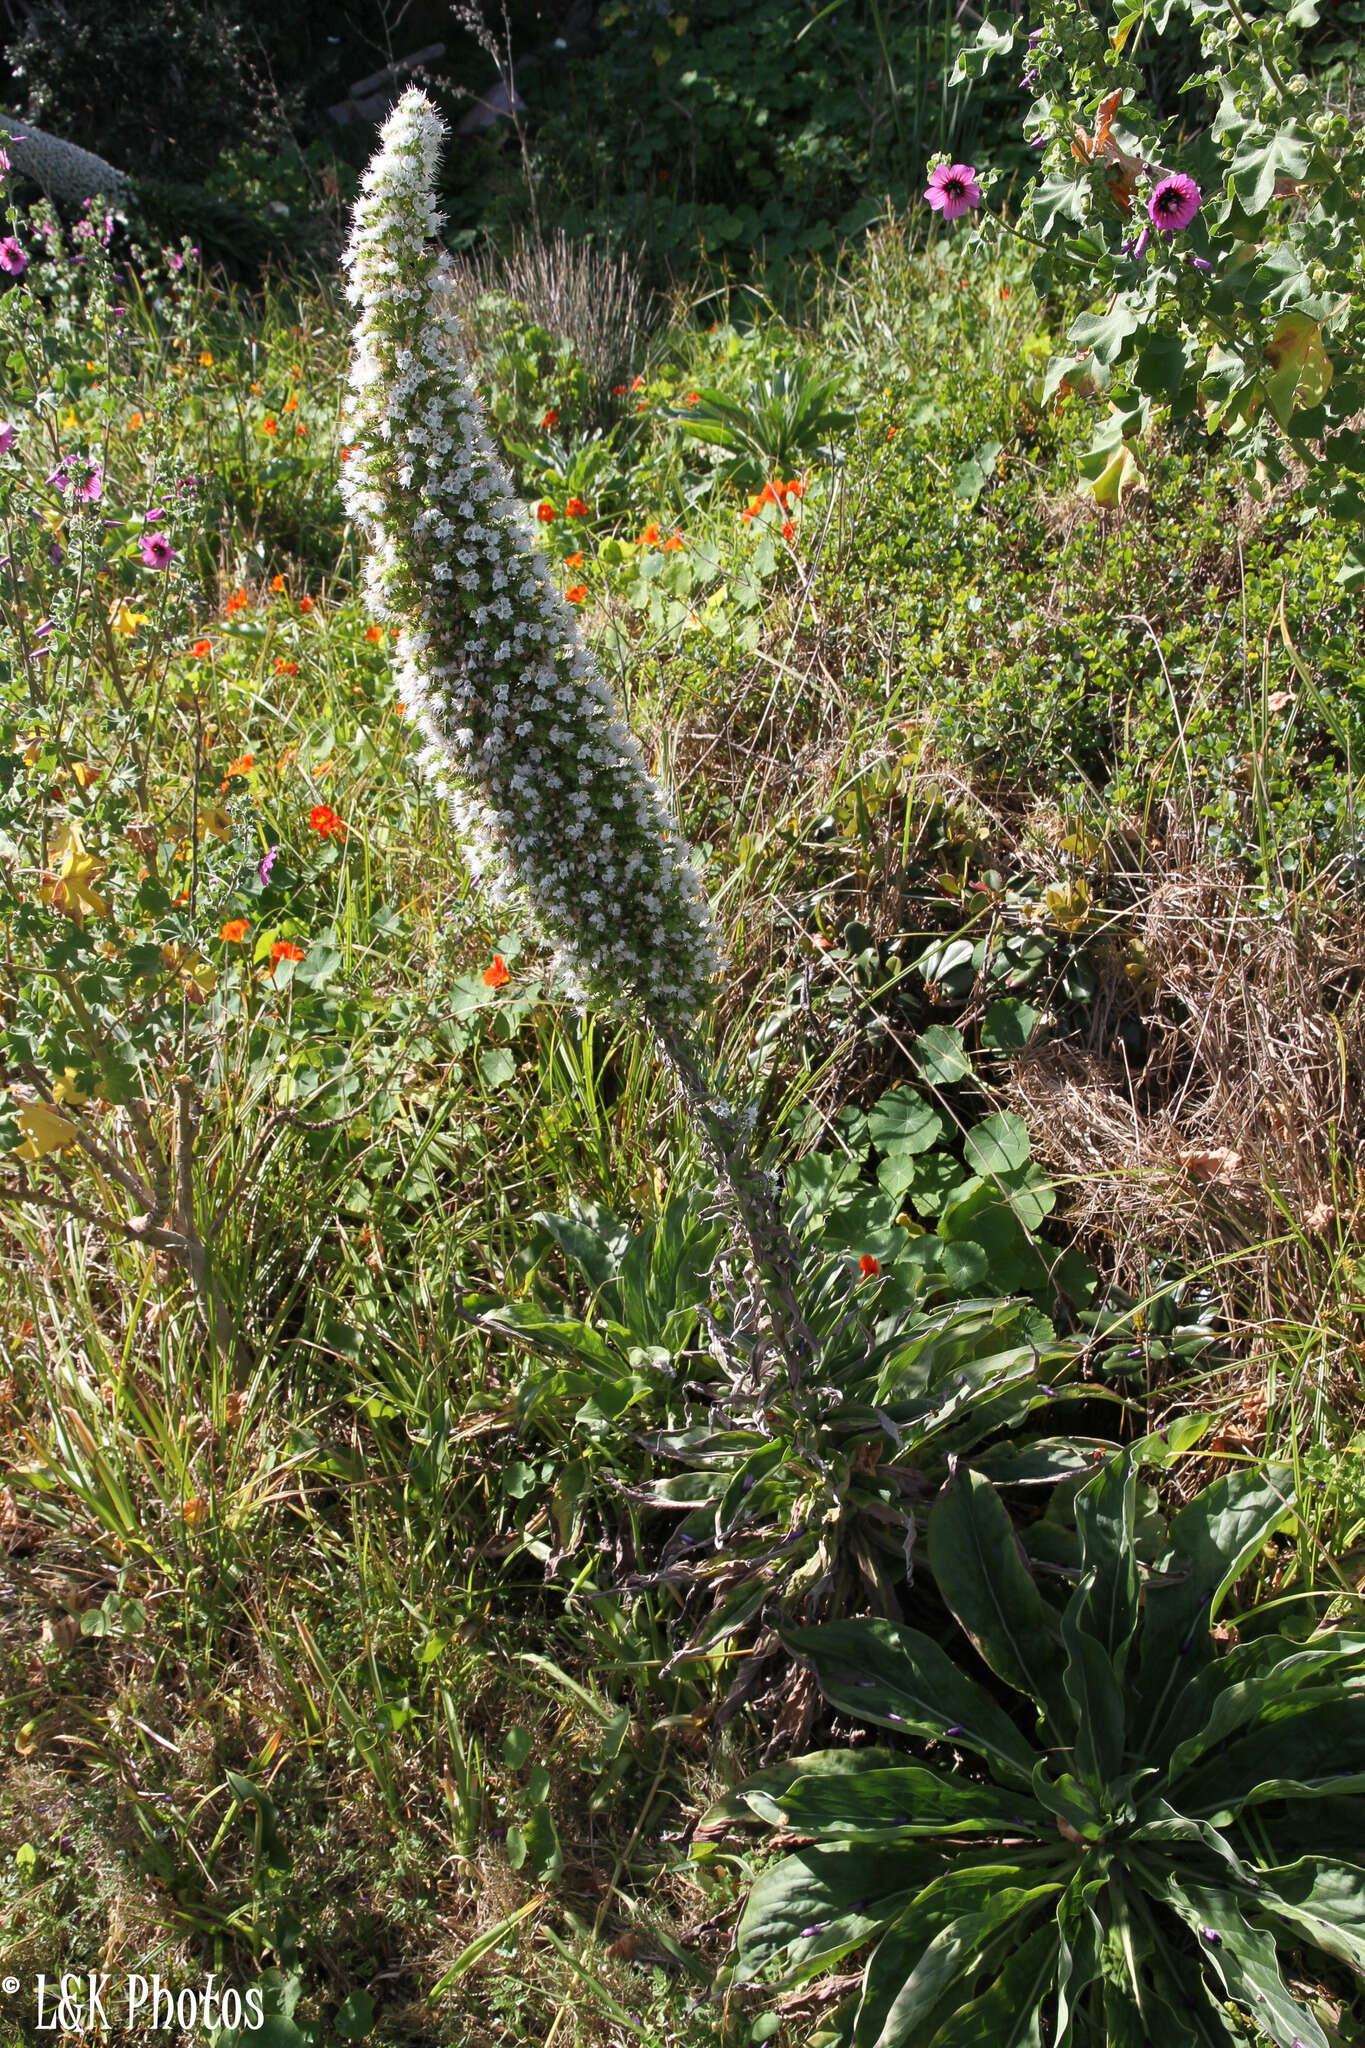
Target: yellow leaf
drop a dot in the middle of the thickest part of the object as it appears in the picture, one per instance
(84, 773)
(1119, 36)
(1121, 474)
(215, 821)
(72, 890)
(1067, 903)
(1301, 366)
(200, 979)
(125, 621)
(44, 1131)
(67, 1090)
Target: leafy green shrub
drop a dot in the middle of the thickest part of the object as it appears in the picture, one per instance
(1169, 1819)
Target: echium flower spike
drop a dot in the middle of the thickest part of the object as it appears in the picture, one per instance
(546, 783)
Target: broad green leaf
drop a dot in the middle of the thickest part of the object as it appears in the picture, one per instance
(902, 1121)
(815, 1906)
(1009, 2015)
(1105, 334)
(939, 1056)
(999, 1144)
(909, 1797)
(734, 1808)
(882, 1672)
(1322, 1899)
(1244, 1958)
(1080, 1949)
(1009, 1024)
(1301, 366)
(1225, 1702)
(976, 1562)
(1316, 1751)
(956, 1953)
(1259, 162)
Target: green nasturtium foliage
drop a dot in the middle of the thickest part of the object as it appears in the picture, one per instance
(1252, 313)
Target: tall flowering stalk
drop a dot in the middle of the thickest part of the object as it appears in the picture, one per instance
(546, 783)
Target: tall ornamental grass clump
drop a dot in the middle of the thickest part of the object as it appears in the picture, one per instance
(547, 785)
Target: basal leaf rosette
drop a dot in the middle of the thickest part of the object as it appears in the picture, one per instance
(523, 735)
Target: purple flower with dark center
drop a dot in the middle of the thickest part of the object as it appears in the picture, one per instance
(92, 490)
(59, 477)
(157, 551)
(12, 258)
(7, 433)
(952, 190)
(174, 260)
(1174, 204)
(267, 865)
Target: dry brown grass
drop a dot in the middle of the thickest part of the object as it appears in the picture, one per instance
(1234, 1142)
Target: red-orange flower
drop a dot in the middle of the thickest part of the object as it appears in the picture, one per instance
(270, 426)
(551, 418)
(692, 398)
(201, 648)
(306, 604)
(284, 950)
(277, 583)
(326, 823)
(576, 593)
(237, 602)
(291, 404)
(618, 390)
(234, 931)
(243, 765)
(574, 561)
(637, 383)
(576, 509)
(285, 668)
(545, 512)
(788, 530)
(650, 536)
(496, 976)
(673, 543)
(868, 1267)
(374, 633)
(345, 453)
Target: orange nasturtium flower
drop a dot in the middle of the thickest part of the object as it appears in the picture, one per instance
(576, 593)
(374, 633)
(326, 823)
(306, 604)
(243, 765)
(868, 1267)
(134, 422)
(291, 404)
(574, 561)
(576, 509)
(234, 931)
(237, 602)
(496, 976)
(551, 418)
(650, 536)
(205, 359)
(284, 950)
(277, 583)
(285, 668)
(545, 512)
(201, 648)
(270, 426)
(345, 453)
(673, 543)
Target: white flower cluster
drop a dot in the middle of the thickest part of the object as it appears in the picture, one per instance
(545, 781)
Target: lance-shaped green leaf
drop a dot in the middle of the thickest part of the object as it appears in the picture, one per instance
(815, 1906)
(1096, 1698)
(976, 1563)
(882, 1672)
(1080, 1953)
(1106, 1602)
(1316, 1752)
(930, 1988)
(1245, 1960)
(908, 1799)
(1212, 1540)
(735, 1808)
(1243, 1684)
(1009, 2015)
(1322, 1899)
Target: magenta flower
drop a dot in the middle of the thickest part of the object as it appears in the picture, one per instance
(154, 512)
(1174, 204)
(92, 490)
(61, 475)
(157, 551)
(952, 190)
(12, 258)
(268, 863)
(7, 433)
(4, 162)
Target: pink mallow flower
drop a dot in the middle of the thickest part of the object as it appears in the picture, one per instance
(92, 490)
(157, 551)
(952, 190)
(12, 258)
(1174, 204)
(8, 430)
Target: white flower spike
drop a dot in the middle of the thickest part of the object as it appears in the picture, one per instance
(548, 786)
